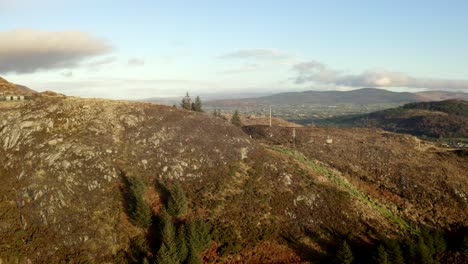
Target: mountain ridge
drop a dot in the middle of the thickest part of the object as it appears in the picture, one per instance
(358, 96)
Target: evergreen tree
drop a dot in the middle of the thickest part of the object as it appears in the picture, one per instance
(186, 102)
(177, 203)
(194, 257)
(394, 252)
(182, 245)
(428, 240)
(344, 254)
(197, 105)
(235, 119)
(139, 212)
(423, 253)
(217, 113)
(464, 244)
(381, 256)
(409, 247)
(440, 245)
(198, 234)
(167, 253)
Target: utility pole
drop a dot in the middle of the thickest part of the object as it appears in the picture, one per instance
(270, 115)
(294, 137)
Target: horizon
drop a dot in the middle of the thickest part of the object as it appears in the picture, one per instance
(123, 50)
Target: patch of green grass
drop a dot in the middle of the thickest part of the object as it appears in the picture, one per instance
(344, 184)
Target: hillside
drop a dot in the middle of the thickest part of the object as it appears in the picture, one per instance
(68, 164)
(7, 88)
(441, 96)
(445, 119)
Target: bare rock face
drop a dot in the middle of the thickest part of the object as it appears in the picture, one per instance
(61, 160)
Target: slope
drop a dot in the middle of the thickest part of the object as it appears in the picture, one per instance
(13, 89)
(445, 119)
(64, 159)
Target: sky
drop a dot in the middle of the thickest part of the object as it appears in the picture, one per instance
(141, 48)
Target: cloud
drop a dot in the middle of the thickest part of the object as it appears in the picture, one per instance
(124, 88)
(100, 62)
(67, 74)
(136, 62)
(316, 72)
(259, 54)
(28, 51)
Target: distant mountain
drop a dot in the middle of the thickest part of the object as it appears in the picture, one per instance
(448, 119)
(313, 106)
(360, 96)
(14, 89)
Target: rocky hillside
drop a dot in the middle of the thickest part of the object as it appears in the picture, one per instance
(415, 177)
(65, 161)
(7, 88)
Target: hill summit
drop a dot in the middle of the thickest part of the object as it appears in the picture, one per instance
(7, 88)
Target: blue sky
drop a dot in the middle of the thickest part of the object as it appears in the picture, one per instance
(137, 49)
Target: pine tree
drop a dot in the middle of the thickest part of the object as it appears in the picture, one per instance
(182, 243)
(235, 119)
(177, 203)
(167, 253)
(394, 252)
(344, 254)
(381, 256)
(186, 102)
(139, 212)
(198, 234)
(423, 253)
(409, 247)
(194, 257)
(428, 240)
(217, 113)
(197, 105)
(464, 244)
(440, 245)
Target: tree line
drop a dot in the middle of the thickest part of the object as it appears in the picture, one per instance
(197, 106)
(172, 236)
(427, 246)
(188, 104)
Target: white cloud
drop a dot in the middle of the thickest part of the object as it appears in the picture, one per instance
(136, 62)
(316, 72)
(100, 62)
(67, 74)
(124, 88)
(259, 54)
(28, 51)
